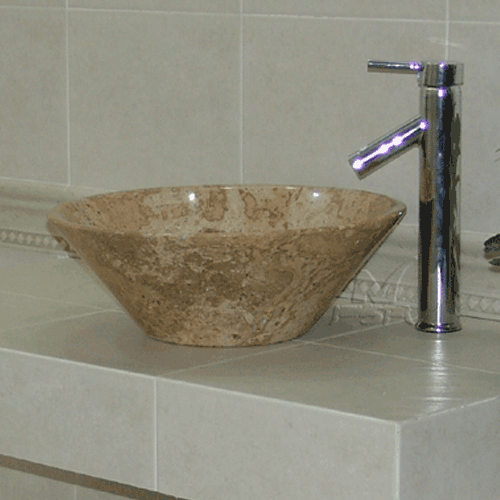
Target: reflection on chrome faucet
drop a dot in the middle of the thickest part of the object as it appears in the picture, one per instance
(437, 131)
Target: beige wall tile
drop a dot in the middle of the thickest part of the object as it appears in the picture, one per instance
(309, 101)
(79, 418)
(33, 3)
(477, 47)
(155, 99)
(405, 9)
(227, 6)
(475, 10)
(33, 95)
(16, 485)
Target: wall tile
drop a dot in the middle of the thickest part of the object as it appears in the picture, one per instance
(242, 450)
(33, 95)
(475, 10)
(16, 485)
(403, 9)
(33, 3)
(92, 421)
(226, 6)
(477, 47)
(309, 101)
(155, 99)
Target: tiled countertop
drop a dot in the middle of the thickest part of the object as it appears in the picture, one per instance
(361, 407)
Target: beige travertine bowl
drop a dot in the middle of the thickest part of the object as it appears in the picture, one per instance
(227, 265)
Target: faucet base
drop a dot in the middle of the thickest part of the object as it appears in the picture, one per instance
(424, 326)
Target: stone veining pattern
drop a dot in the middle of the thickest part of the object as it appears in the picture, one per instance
(227, 265)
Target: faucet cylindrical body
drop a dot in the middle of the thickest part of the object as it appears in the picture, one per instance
(437, 132)
(439, 226)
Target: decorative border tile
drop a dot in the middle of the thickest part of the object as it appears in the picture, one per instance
(33, 240)
(371, 295)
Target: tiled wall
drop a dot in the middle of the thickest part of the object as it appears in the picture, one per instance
(118, 94)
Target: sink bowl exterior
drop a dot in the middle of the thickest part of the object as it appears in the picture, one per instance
(227, 266)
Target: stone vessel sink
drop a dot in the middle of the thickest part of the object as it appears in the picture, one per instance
(227, 266)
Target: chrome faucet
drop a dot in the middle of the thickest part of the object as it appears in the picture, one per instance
(437, 131)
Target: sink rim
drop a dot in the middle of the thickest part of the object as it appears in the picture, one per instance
(56, 216)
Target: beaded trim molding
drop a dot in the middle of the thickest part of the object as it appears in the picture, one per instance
(33, 240)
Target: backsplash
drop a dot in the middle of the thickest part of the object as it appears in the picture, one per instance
(121, 94)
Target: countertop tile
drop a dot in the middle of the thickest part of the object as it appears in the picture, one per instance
(241, 447)
(351, 381)
(18, 310)
(476, 346)
(51, 277)
(84, 389)
(85, 419)
(113, 340)
(453, 455)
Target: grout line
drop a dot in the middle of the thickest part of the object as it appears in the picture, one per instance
(156, 12)
(447, 32)
(397, 465)
(268, 349)
(59, 301)
(30, 7)
(51, 321)
(68, 116)
(32, 181)
(406, 358)
(367, 328)
(242, 168)
(86, 365)
(474, 23)
(345, 18)
(155, 433)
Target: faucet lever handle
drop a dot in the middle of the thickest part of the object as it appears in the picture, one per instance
(430, 74)
(395, 67)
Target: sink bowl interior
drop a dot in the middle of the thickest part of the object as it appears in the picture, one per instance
(227, 265)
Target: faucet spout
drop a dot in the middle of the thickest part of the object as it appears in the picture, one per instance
(437, 131)
(388, 147)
